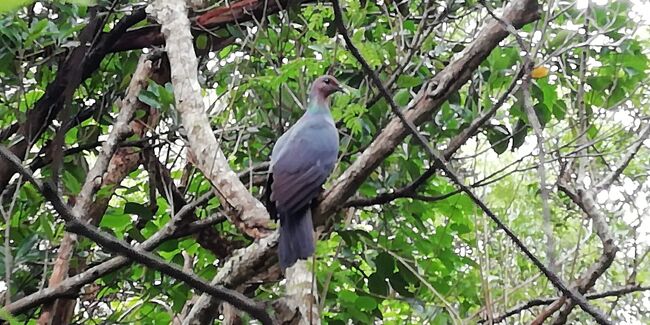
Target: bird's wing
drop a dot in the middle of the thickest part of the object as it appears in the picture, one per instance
(266, 198)
(300, 169)
(279, 145)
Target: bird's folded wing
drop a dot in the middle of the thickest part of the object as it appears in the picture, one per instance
(298, 176)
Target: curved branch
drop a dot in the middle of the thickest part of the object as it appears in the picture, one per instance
(75, 224)
(248, 214)
(547, 301)
(632, 151)
(175, 228)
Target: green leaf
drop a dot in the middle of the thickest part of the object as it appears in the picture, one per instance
(149, 98)
(135, 234)
(4, 314)
(360, 316)
(454, 98)
(548, 91)
(30, 98)
(347, 295)
(399, 285)
(441, 319)
(166, 95)
(406, 81)
(385, 264)
(235, 31)
(46, 225)
(202, 41)
(409, 25)
(517, 109)
(458, 48)
(71, 183)
(520, 130)
(36, 31)
(599, 83)
(503, 58)
(543, 114)
(402, 97)
(179, 295)
(11, 5)
(377, 284)
(139, 210)
(559, 110)
(498, 136)
(26, 247)
(115, 222)
(365, 303)
(407, 274)
(592, 132)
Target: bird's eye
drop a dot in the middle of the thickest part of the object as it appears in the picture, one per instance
(327, 81)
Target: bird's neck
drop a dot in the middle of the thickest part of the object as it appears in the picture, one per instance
(318, 104)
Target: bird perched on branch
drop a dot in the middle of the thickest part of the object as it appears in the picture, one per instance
(302, 159)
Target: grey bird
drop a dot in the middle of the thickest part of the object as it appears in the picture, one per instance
(301, 160)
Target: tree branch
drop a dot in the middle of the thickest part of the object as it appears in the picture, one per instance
(207, 237)
(453, 146)
(585, 200)
(177, 227)
(607, 181)
(70, 286)
(249, 215)
(546, 301)
(85, 60)
(76, 225)
(80, 64)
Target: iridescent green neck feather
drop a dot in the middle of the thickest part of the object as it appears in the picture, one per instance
(318, 104)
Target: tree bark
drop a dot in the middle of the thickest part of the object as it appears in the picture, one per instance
(246, 212)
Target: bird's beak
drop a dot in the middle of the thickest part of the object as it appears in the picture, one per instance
(342, 89)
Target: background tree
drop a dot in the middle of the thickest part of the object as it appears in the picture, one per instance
(539, 111)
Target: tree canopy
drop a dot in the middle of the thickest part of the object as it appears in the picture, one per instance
(493, 165)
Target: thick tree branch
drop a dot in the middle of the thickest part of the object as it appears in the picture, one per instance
(244, 264)
(453, 146)
(585, 200)
(85, 60)
(249, 215)
(236, 12)
(427, 103)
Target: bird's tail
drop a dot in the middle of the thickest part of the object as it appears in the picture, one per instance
(296, 238)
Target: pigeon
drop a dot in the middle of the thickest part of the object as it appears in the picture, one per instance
(301, 161)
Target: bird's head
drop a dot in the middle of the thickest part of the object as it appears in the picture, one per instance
(325, 86)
